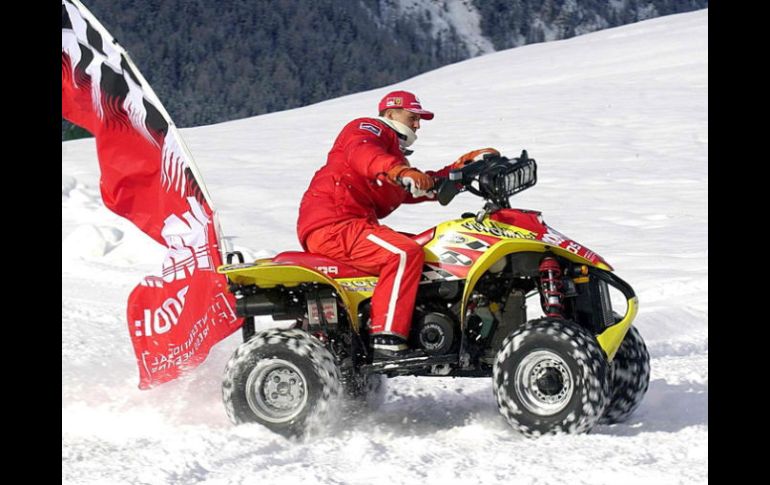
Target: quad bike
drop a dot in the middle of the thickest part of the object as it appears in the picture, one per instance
(578, 365)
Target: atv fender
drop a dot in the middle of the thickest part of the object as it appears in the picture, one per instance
(267, 274)
(609, 340)
(504, 248)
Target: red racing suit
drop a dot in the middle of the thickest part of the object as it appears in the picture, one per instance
(339, 213)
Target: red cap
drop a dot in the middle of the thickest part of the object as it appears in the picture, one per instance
(404, 100)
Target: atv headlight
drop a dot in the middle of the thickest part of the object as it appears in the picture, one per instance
(520, 175)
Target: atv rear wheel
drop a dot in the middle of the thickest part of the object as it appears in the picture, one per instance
(629, 378)
(549, 377)
(285, 380)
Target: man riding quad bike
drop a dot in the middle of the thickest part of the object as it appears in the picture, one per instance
(580, 364)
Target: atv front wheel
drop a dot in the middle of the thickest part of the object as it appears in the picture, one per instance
(629, 378)
(285, 380)
(549, 377)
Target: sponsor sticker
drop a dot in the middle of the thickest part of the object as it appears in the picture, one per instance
(371, 128)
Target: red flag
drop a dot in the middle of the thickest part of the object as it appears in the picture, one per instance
(148, 177)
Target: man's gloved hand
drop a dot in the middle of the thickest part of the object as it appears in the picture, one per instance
(473, 156)
(412, 179)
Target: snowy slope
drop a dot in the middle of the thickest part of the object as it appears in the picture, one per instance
(617, 121)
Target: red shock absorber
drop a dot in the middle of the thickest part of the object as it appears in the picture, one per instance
(551, 287)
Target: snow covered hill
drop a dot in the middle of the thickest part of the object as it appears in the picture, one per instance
(618, 122)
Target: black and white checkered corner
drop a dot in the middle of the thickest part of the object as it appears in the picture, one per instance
(430, 274)
(96, 57)
(477, 245)
(453, 257)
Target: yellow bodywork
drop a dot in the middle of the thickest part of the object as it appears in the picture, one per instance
(266, 274)
(504, 248)
(610, 339)
(453, 234)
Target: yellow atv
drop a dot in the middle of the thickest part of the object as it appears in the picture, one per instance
(580, 364)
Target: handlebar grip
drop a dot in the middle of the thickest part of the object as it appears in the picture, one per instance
(447, 191)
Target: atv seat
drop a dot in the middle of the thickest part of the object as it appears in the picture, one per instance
(329, 266)
(423, 238)
(334, 268)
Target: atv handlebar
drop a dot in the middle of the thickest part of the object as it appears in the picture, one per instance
(497, 177)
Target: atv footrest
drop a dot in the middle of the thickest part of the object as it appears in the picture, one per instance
(407, 363)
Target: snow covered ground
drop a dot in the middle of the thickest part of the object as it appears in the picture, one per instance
(618, 123)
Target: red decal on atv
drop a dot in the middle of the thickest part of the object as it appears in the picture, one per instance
(458, 270)
(524, 219)
(491, 240)
(552, 236)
